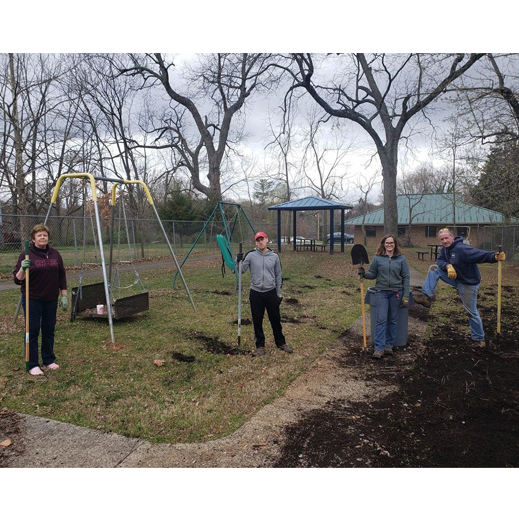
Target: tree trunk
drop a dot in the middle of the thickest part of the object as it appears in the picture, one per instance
(389, 159)
(18, 147)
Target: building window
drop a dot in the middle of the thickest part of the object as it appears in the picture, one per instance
(401, 231)
(431, 231)
(371, 231)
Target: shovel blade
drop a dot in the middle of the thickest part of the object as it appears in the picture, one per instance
(359, 255)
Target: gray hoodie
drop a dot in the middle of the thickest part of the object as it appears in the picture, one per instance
(265, 271)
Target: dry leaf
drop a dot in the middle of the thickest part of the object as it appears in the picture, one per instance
(6, 443)
(159, 363)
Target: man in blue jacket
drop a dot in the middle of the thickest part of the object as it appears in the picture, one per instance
(457, 265)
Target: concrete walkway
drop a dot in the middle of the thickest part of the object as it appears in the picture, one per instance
(257, 443)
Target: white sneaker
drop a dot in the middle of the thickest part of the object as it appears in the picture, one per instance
(52, 366)
(36, 371)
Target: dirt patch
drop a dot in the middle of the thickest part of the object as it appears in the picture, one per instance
(221, 292)
(214, 345)
(321, 277)
(292, 301)
(179, 357)
(453, 405)
(290, 320)
(244, 322)
(12, 436)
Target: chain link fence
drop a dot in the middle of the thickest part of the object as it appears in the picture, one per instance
(133, 239)
(507, 236)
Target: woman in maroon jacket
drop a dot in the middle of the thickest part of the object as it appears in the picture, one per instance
(47, 280)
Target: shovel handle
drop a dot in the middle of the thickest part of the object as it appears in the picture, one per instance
(499, 283)
(27, 308)
(365, 343)
(239, 298)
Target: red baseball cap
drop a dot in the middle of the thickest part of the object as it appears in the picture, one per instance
(260, 234)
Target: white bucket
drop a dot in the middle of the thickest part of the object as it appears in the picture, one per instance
(100, 309)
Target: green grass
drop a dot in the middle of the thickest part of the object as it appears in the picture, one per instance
(118, 388)
(90, 254)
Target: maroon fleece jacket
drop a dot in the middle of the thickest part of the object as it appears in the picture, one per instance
(47, 273)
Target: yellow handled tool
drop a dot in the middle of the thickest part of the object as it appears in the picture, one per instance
(359, 256)
(499, 281)
(27, 308)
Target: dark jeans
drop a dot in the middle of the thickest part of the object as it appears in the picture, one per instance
(259, 301)
(42, 315)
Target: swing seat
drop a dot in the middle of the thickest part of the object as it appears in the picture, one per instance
(226, 250)
(94, 294)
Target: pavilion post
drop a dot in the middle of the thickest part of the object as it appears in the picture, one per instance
(342, 230)
(294, 228)
(279, 231)
(331, 231)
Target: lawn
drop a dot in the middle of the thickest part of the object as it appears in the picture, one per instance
(206, 386)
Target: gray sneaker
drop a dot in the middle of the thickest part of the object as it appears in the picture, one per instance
(378, 354)
(260, 351)
(285, 348)
(388, 350)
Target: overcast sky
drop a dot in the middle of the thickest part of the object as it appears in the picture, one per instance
(58, 26)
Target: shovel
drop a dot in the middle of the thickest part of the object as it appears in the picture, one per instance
(499, 280)
(27, 308)
(359, 256)
(239, 298)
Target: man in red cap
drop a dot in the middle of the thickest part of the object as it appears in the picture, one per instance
(265, 291)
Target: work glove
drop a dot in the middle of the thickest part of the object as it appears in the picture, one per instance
(361, 271)
(405, 301)
(26, 263)
(500, 256)
(239, 257)
(64, 302)
(280, 299)
(451, 272)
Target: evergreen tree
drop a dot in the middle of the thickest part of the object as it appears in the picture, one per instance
(498, 185)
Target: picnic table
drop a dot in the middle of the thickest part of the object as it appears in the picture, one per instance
(434, 250)
(309, 245)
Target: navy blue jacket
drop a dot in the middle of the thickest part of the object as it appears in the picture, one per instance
(464, 258)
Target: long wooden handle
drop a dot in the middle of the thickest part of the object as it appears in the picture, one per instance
(499, 279)
(239, 298)
(27, 308)
(363, 315)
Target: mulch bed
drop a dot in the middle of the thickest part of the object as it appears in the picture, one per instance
(451, 405)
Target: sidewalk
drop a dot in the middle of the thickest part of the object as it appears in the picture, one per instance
(257, 443)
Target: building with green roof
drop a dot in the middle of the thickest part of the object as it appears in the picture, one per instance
(421, 216)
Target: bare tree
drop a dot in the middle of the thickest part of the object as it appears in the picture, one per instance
(487, 99)
(200, 120)
(33, 137)
(381, 93)
(365, 189)
(283, 144)
(324, 156)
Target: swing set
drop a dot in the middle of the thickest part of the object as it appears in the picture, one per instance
(225, 237)
(86, 297)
